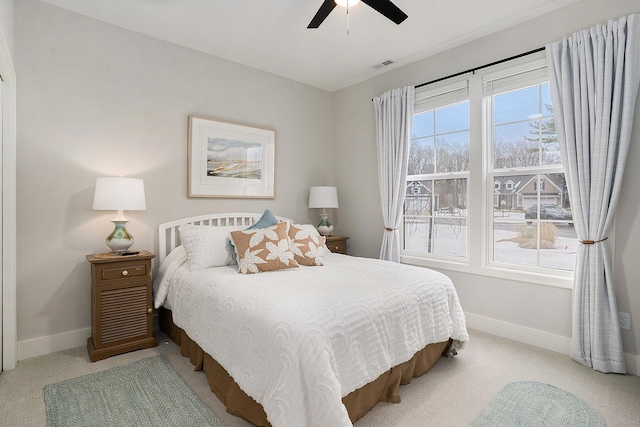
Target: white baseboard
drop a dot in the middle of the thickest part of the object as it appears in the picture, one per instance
(535, 337)
(52, 343)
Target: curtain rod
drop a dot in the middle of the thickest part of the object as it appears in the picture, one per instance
(473, 70)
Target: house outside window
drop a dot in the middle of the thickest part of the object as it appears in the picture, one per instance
(502, 208)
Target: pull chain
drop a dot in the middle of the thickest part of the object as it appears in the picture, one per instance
(347, 17)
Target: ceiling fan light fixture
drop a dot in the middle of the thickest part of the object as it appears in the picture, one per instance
(385, 7)
(347, 3)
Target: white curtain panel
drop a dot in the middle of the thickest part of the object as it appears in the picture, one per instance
(593, 78)
(394, 115)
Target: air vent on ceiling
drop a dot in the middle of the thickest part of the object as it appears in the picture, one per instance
(384, 64)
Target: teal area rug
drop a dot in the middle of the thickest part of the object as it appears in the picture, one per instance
(532, 404)
(144, 393)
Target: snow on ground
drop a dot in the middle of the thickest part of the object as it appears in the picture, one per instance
(452, 240)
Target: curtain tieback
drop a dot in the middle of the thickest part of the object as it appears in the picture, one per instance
(390, 229)
(591, 242)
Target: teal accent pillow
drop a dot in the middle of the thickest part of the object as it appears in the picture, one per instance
(266, 220)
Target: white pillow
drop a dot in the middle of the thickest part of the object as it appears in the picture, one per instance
(309, 229)
(207, 246)
(161, 282)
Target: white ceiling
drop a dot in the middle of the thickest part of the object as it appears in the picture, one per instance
(272, 35)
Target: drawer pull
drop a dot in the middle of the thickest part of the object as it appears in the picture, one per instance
(337, 247)
(125, 272)
(150, 310)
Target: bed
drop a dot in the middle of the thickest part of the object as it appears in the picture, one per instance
(304, 345)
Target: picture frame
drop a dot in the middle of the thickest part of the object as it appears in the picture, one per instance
(227, 159)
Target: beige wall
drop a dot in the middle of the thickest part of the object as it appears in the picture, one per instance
(534, 313)
(7, 23)
(97, 100)
(8, 352)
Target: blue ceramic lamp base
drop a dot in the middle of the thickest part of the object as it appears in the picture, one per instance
(325, 228)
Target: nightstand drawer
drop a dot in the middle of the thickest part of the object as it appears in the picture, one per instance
(111, 273)
(338, 247)
(337, 244)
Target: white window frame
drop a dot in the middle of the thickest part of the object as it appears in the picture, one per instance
(434, 97)
(481, 193)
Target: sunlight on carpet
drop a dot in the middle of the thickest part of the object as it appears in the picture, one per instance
(144, 393)
(531, 404)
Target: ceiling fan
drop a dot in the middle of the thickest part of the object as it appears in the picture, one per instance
(385, 7)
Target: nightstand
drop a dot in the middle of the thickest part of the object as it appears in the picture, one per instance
(121, 308)
(337, 244)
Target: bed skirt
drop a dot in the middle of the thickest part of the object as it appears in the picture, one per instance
(386, 388)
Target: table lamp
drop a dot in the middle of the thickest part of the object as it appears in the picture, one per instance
(323, 198)
(119, 194)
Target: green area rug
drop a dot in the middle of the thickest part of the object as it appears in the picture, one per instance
(532, 404)
(144, 393)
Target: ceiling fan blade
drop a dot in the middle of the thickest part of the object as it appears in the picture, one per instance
(322, 13)
(388, 9)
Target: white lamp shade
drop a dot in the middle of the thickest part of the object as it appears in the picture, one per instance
(323, 197)
(119, 194)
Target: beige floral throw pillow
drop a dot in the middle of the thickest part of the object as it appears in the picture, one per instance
(307, 245)
(263, 249)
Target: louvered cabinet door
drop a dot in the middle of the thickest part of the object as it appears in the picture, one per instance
(121, 310)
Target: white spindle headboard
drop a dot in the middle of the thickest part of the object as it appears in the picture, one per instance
(169, 238)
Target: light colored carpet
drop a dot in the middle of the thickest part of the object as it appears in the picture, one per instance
(143, 393)
(534, 404)
(453, 393)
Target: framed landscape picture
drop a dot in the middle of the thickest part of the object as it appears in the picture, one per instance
(230, 159)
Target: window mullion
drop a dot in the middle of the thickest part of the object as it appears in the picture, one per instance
(476, 193)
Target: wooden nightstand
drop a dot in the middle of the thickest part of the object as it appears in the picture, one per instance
(337, 244)
(121, 308)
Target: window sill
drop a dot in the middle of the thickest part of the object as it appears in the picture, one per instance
(491, 271)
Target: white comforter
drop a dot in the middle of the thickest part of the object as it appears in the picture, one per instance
(298, 340)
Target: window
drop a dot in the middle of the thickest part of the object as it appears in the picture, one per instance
(484, 167)
(435, 209)
(538, 186)
(537, 232)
